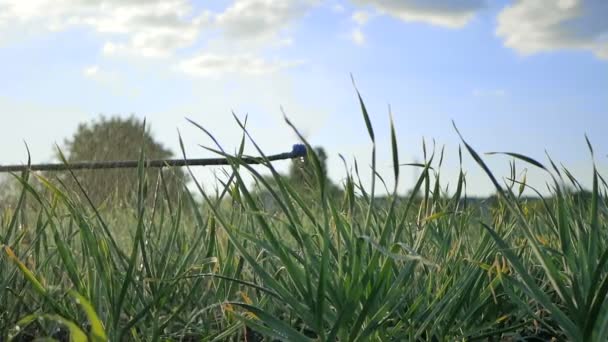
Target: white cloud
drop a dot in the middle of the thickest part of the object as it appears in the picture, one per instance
(360, 17)
(451, 14)
(358, 37)
(110, 80)
(261, 19)
(212, 65)
(151, 28)
(153, 42)
(160, 28)
(338, 8)
(247, 28)
(96, 73)
(91, 71)
(532, 26)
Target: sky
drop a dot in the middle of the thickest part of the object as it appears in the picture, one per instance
(527, 76)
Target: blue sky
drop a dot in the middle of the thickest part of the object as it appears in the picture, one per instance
(524, 76)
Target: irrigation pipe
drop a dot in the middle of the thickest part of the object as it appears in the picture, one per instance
(297, 152)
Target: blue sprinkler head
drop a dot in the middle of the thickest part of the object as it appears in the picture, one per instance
(299, 150)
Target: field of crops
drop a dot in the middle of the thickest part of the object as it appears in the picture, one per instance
(308, 265)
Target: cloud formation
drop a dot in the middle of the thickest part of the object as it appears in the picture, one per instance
(110, 80)
(261, 19)
(154, 28)
(212, 65)
(245, 30)
(246, 26)
(446, 13)
(358, 37)
(160, 28)
(532, 26)
(360, 18)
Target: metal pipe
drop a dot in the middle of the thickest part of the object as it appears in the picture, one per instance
(297, 151)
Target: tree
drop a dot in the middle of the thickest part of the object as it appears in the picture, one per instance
(302, 170)
(9, 192)
(116, 138)
(302, 174)
(302, 178)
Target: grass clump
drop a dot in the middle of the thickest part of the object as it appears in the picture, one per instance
(320, 265)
